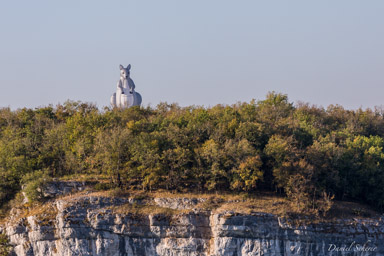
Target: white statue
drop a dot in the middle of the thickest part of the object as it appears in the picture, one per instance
(125, 95)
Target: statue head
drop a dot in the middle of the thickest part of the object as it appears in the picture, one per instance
(124, 72)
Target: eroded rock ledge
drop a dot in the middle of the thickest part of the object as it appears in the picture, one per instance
(97, 225)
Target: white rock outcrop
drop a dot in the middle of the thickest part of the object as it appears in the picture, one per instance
(87, 226)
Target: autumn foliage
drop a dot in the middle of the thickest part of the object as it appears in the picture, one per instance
(308, 153)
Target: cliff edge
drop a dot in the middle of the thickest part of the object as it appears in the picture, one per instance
(92, 223)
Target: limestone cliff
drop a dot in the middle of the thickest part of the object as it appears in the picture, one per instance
(91, 224)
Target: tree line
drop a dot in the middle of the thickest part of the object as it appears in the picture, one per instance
(308, 153)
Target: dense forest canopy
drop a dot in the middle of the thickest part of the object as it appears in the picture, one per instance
(308, 153)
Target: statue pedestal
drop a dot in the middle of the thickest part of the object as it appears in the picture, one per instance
(127, 100)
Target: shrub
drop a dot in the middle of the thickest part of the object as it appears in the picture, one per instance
(5, 247)
(102, 186)
(33, 185)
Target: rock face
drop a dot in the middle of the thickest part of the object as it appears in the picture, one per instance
(54, 189)
(89, 225)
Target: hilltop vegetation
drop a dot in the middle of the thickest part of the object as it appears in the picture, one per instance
(310, 154)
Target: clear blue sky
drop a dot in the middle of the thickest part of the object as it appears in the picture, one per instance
(192, 52)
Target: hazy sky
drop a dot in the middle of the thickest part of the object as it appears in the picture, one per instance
(192, 52)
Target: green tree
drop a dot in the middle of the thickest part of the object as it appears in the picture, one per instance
(112, 147)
